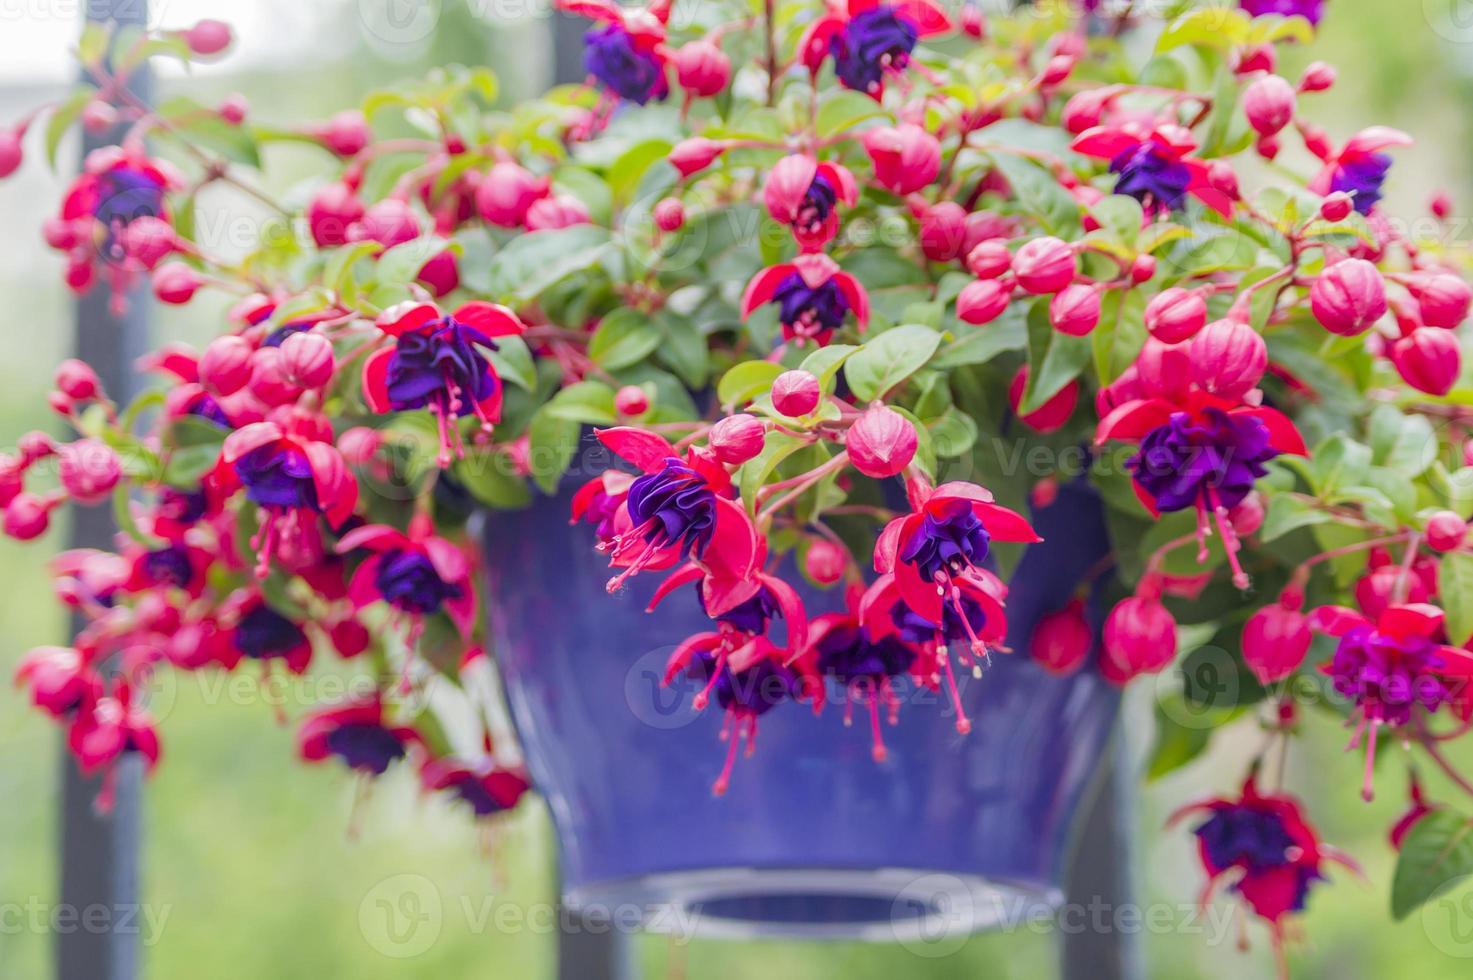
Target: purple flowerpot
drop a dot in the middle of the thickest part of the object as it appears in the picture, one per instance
(814, 839)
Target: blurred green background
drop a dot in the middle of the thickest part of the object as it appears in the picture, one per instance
(248, 867)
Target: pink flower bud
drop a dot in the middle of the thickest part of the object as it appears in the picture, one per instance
(11, 154)
(1044, 265)
(795, 393)
(1143, 269)
(225, 366)
(1247, 517)
(307, 359)
(27, 517)
(208, 37)
(1053, 414)
(1348, 297)
(1176, 315)
(233, 109)
(1255, 58)
(1446, 531)
(987, 226)
(35, 446)
(268, 377)
(78, 381)
(737, 438)
(1441, 205)
(61, 234)
(346, 133)
(1140, 638)
(389, 222)
(670, 214)
(631, 400)
(974, 22)
(989, 259)
(1058, 68)
(1275, 641)
(88, 470)
(1163, 370)
(12, 479)
(359, 444)
(506, 192)
(1428, 359)
(80, 273)
(1085, 110)
(1318, 77)
(1076, 310)
(1062, 639)
(1228, 358)
(441, 274)
(702, 68)
(1375, 591)
(693, 155)
(349, 638)
(1444, 300)
(98, 117)
(1316, 141)
(176, 283)
(331, 212)
(906, 157)
(943, 231)
(148, 240)
(1269, 104)
(561, 211)
(826, 561)
(982, 301)
(882, 442)
(1223, 178)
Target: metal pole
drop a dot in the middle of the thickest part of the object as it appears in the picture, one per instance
(99, 852)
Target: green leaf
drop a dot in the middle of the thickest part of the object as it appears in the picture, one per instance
(825, 362)
(624, 337)
(1436, 855)
(746, 381)
(513, 362)
(551, 445)
(683, 348)
(61, 120)
(842, 109)
(1120, 216)
(1455, 587)
(492, 479)
(1338, 462)
(978, 345)
(755, 472)
(1287, 514)
(889, 359)
(1211, 27)
(530, 263)
(587, 403)
(1038, 193)
(1406, 444)
(1178, 744)
(1054, 359)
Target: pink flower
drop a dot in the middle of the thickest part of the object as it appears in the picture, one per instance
(1062, 640)
(418, 573)
(107, 728)
(869, 38)
(1359, 168)
(814, 297)
(357, 733)
(1275, 640)
(60, 680)
(906, 157)
(804, 193)
(881, 443)
(487, 788)
(1154, 165)
(1429, 359)
(1348, 297)
(1140, 638)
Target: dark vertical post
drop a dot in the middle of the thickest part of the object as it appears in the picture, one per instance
(99, 852)
(1098, 884)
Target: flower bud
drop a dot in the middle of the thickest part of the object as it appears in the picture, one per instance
(176, 283)
(35, 445)
(148, 240)
(1044, 265)
(1058, 68)
(795, 393)
(1253, 58)
(906, 157)
(989, 259)
(1316, 141)
(1143, 269)
(561, 211)
(268, 377)
(982, 301)
(1076, 310)
(233, 109)
(1374, 592)
(1247, 517)
(1444, 300)
(1441, 206)
(208, 37)
(1224, 180)
(441, 274)
(1428, 359)
(98, 117)
(670, 214)
(1446, 531)
(1062, 639)
(1053, 414)
(1176, 315)
(12, 479)
(225, 366)
(389, 222)
(349, 638)
(1337, 206)
(307, 359)
(346, 133)
(1348, 297)
(27, 517)
(80, 274)
(702, 68)
(1163, 370)
(826, 561)
(1085, 110)
(78, 381)
(331, 212)
(943, 231)
(737, 438)
(359, 444)
(1140, 638)
(1269, 104)
(693, 155)
(506, 192)
(631, 400)
(1318, 77)
(882, 442)
(11, 154)
(1228, 358)
(1275, 641)
(61, 234)
(88, 470)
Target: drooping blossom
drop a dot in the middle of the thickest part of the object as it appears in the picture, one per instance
(627, 52)
(358, 734)
(870, 39)
(814, 298)
(484, 786)
(106, 728)
(1310, 10)
(59, 678)
(804, 193)
(1360, 167)
(1154, 165)
(842, 648)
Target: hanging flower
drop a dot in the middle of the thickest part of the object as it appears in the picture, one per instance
(869, 39)
(60, 680)
(627, 53)
(1154, 165)
(843, 649)
(106, 728)
(488, 789)
(813, 295)
(357, 734)
(437, 362)
(254, 630)
(1310, 10)
(1360, 168)
(804, 193)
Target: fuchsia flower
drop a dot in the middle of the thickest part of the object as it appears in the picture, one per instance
(870, 38)
(291, 479)
(357, 734)
(814, 298)
(907, 158)
(437, 362)
(1199, 450)
(248, 627)
(627, 55)
(487, 788)
(1360, 168)
(1390, 666)
(60, 680)
(1310, 10)
(1154, 165)
(804, 193)
(104, 729)
(1263, 845)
